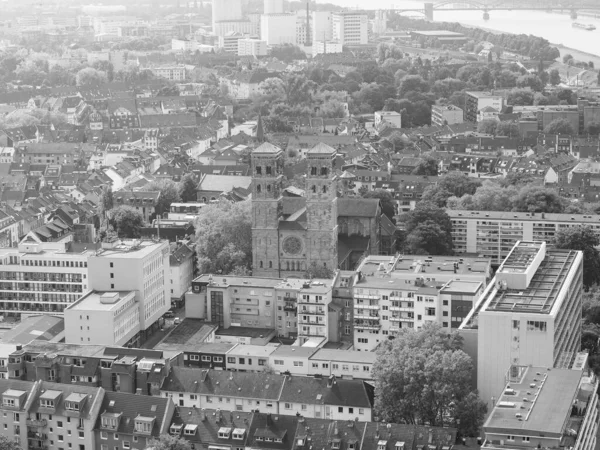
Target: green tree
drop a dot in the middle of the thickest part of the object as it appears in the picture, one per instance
(316, 271)
(521, 97)
(567, 57)
(452, 184)
(127, 221)
(428, 165)
(388, 204)
(224, 237)
(7, 444)
(424, 377)
(554, 77)
(488, 126)
(508, 128)
(187, 188)
(428, 229)
(169, 193)
(490, 196)
(559, 126)
(594, 128)
(585, 239)
(90, 77)
(168, 442)
(538, 199)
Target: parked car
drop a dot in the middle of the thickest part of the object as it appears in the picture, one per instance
(169, 314)
(177, 321)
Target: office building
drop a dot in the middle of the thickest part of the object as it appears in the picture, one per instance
(135, 265)
(476, 101)
(223, 10)
(229, 41)
(251, 47)
(322, 26)
(350, 28)
(446, 115)
(391, 117)
(237, 26)
(543, 408)
(492, 234)
(326, 47)
(109, 318)
(548, 114)
(173, 73)
(392, 293)
(278, 29)
(42, 277)
(273, 6)
(530, 314)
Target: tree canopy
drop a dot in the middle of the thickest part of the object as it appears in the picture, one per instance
(169, 442)
(127, 221)
(187, 188)
(424, 377)
(585, 239)
(428, 230)
(559, 126)
(169, 193)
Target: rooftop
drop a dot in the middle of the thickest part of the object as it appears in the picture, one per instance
(126, 248)
(535, 217)
(190, 334)
(102, 301)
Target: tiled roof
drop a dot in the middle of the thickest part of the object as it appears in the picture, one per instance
(209, 423)
(355, 393)
(357, 207)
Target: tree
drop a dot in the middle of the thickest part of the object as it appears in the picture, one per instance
(566, 58)
(424, 377)
(7, 444)
(315, 271)
(508, 128)
(538, 199)
(559, 126)
(594, 128)
(127, 221)
(489, 197)
(386, 199)
(453, 184)
(488, 126)
(521, 97)
(428, 165)
(169, 193)
(224, 237)
(554, 77)
(169, 442)
(582, 238)
(90, 77)
(428, 238)
(412, 83)
(187, 188)
(531, 81)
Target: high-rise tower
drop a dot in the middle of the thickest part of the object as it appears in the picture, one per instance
(267, 183)
(321, 207)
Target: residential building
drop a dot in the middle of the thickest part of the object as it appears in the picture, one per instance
(128, 421)
(181, 266)
(42, 277)
(350, 28)
(476, 101)
(529, 314)
(173, 73)
(241, 27)
(251, 47)
(229, 41)
(48, 153)
(142, 201)
(314, 309)
(223, 10)
(16, 396)
(392, 117)
(322, 26)
(278, 29)
(116, 319)
(135, 265)
(446, 115)
(326, 47)
(543, 408)
(492, 234)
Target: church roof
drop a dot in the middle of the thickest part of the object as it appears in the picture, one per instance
(357, 207)
(321, 149)
(267, 147)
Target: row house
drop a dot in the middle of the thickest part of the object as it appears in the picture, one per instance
(330, 398)
(406, 193)
(243, 86)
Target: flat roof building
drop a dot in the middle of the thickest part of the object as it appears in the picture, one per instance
(530, 314)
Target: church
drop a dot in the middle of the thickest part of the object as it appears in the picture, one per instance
(290, 234)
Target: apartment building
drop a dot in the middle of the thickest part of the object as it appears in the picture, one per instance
(16, 395)
(116, 369)
(278, 29)
(127, 421)
(350, 28)
(182, 264)
(476, 101)
(314, 324)
(48, 153)
(492, 234)
(251, 47)
(446, 115)
(173, 73)
(530, 314)
(331, 398)
(391, 293)
(42, 277)
(135, 265)
(543, 408)
(115, 319)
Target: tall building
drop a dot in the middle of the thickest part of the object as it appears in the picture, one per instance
(278, 29)
(273, 6)
(530, 314)
(350, 28)
(543, 408)
(251, 47)
(446, 115)
(223, 10)
(476, 101)
(140, 266)
(322, 26)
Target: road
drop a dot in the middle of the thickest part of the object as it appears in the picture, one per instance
(169, 326)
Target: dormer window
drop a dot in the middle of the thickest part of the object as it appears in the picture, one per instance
(46, 403)
(381, 445)
(399, 445)
(352, 445)
(8, 402)
(300, 442)
(224, 433)
(72, 406)
(144, 424)
(336, 443)
(238, 434)
(175, 429)
(190, 430)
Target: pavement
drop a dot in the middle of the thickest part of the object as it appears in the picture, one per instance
(169, 326)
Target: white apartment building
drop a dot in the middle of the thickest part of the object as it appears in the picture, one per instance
(350, 28)
(392, 117)
(476, 101)
(181, 270)
(322, 26)
(313, 312)
(278, 29)
(41, 277)
(251, 47)
(229, 42)
(103, 318)
(530, 314)
(173, 73)
(391, 293)
(135, 265)
(223, 10)
(236, 26)
(492, 234)
(446, 115)
(326, 47)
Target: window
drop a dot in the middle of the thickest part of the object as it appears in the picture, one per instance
(242, 360)
(231, 359)
(194, 357)
(126, 444)
(103, 435)
(510, 438)
(361, 411)
(206, 358)
(340, 409)
(288, 406)
(61, 438)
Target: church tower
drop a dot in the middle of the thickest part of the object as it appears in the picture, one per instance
(267, 185)
(321, 207)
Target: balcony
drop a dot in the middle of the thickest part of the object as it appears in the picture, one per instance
(37, 423)
(38, 436)
(365, 306)
(37, 445)
(367, 324)
(290, 307)
(367, 316)
(311, 313)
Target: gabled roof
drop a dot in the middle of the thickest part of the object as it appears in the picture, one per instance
(358, 207)
(322, 391)
(209, 422)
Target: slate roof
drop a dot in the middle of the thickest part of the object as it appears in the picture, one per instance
(357, 207)
(90, 408)
(209, 422)
(265, 426)
(354, 393)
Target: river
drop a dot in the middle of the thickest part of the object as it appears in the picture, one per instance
(556, 28)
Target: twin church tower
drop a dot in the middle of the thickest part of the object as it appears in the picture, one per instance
(289, 234)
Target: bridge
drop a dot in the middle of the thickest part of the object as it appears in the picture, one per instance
(499, 5)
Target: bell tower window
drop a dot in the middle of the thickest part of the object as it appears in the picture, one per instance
(313, 170)
(258, 188)
(323, 170)
(269, 171)
(314, 189)
(258, 170)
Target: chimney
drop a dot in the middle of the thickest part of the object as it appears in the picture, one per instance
(138, 391)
